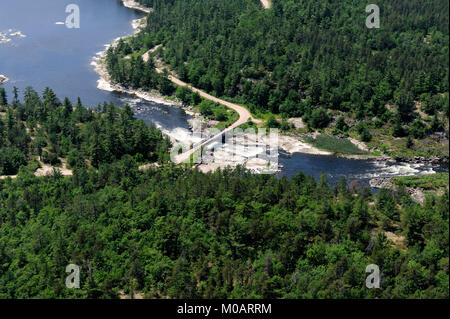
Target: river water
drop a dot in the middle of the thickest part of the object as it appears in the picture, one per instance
(38, 50)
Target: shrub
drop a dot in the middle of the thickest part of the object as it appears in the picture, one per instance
(319, 118)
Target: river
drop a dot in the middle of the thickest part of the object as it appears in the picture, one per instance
(36, 49)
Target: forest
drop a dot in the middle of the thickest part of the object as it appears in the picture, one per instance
(171, 231)
(307, 58)
(174, 232)
(179, 233)
(48, 129)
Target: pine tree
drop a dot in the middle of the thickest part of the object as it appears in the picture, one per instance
(3, 98)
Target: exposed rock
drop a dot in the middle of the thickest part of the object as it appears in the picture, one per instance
(297, 122)
(266, 4)
(361, 145)
(3, 79)
(416, 194)
(422, 159)
(381, 183)
(292, 145)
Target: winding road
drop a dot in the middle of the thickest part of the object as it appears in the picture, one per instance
(244, 114)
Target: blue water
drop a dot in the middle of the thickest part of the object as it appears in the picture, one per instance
(351, 169)
(60, 58)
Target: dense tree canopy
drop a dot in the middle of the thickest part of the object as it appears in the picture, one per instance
(303, 55)
(179, 233)
(175, 232)
(45, 127)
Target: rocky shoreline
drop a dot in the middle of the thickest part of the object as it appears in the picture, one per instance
(3, 79)
(105, 83)
(136, 6)
(433, 160)
(382, 182)
(415, 160)
(423, 160)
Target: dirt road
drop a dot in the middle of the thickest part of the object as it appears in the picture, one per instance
(244, 114)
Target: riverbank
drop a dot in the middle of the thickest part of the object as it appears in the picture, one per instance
(105, 83)
(287, 143)
(433, 160)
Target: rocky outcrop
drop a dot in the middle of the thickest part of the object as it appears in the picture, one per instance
(423, 160)
(297, 122)
(3, 79)
(381, 183)
(416, 194)
(361, 145)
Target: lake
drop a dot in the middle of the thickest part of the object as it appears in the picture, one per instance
(52, 55)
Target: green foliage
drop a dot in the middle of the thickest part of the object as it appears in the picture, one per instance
(432, 181)
(405, 104)
(178, 233)
(50, 158)
(195, 98)
(272, 122)
(386, 204)
(61, 131)
(11, 159)
(217, 112)
(409, 142)
(174, 232)
(130, 69)
(363, 132)
(341, 125)
(221, 114)
(333, 144)
(206, 108)
(318, 118)
(297, 57)
(397, 128)
(184, 94)
(3, 99)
